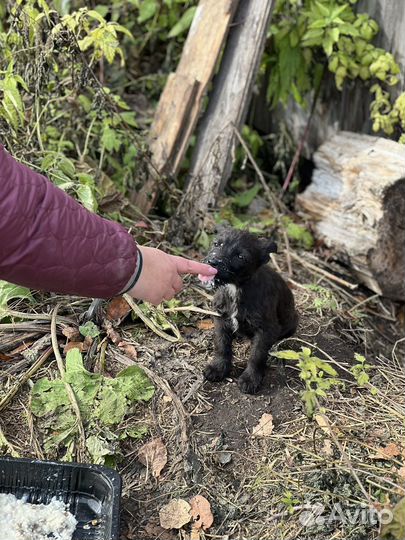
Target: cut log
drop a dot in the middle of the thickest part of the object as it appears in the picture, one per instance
(213, 156)
(356, 201)
(181, 100)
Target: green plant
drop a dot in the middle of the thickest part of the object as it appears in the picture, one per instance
(103, 402)
(361, 371)
(8, 292)
(298, 233)
(308, 37)
(324, 300)
(318, 376)
(290, 501)
(53, 108)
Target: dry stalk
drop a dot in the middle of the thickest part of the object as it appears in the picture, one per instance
(26, 376)
(81, 450)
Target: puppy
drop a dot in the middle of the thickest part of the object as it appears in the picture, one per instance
(252, 300)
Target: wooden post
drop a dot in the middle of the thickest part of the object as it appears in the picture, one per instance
(214, 153)
(181, 101)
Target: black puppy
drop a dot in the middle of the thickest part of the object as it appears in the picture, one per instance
(252, 300)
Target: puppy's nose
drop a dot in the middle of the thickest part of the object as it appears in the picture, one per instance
(213, 261)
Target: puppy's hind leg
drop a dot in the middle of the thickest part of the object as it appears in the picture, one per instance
(250, 380)
(220, 367)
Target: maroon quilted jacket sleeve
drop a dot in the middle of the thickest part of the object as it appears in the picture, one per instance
(48, 241)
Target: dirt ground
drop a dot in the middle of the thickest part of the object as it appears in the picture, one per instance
(258, 487)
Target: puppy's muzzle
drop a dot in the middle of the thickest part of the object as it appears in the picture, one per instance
(213, 261)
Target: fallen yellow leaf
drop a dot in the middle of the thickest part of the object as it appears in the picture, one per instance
(153, 454)
(175, 514)
(265, 426)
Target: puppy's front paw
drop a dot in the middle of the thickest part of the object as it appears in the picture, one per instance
(217, 371)
(249, 382)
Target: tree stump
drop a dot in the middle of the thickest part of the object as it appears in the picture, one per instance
(357, 203)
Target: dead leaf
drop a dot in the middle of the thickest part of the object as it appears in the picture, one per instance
(4, 357)
(87, 343)
(73, 345)
(327, 449)
(322, 423)
(401, 472)
(265, 426)
(142, 225)
(222, 457)
(201, 512)
(175, 514)
(205, 324)
(71, 332)
(388, 452)
(117, 309)
(112, 334)
(153, 454)
(195, 534)
(128, 349)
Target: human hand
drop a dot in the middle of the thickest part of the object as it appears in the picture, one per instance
(160, 277)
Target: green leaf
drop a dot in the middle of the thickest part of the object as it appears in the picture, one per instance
(9, 291)
(244, 199)
(135, 384)
(89, 329)
(48, 396)
(359, 358)
(327, 368)
(86, 385)
(136, 432)
(111, 139)
(112, 405)
(147, 10)
(129, 118)
(184, 23)
(287, 355)
(66, 166)
(96, 15)
(98, 448)
(86, 196)
(300, 234)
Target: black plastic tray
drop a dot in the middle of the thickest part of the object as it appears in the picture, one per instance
(91, 491)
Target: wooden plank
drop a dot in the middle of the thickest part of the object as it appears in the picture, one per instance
(213, 155)
(181, 101)
(356, 202)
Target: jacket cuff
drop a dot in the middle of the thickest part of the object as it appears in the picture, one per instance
(137, 272)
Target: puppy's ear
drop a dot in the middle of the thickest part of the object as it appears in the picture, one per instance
(267, 246)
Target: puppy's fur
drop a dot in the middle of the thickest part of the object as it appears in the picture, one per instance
(252, 300)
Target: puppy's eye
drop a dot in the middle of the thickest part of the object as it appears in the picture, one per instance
(241, 256)
(216, 243)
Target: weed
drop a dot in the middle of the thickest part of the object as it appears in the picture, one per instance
(318, 376)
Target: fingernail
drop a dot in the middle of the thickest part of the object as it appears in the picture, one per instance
(212, 271)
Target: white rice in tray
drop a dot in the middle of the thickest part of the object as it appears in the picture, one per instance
(20, 520)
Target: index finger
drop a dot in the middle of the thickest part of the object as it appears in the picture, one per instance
(186, 266)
